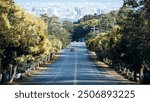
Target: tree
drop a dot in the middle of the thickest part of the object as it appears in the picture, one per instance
(23, 38)
(126, 42)
(56, 29)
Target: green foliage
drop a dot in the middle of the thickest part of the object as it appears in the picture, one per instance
(68, 26)
(24, 38)
(94, 24)
(55, 28)
(126, 41)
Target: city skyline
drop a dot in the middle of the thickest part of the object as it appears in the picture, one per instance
(74, 1)
(71, 10)
(109, 3)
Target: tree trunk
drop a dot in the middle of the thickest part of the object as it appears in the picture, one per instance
(124, 71)
(10, 71)
(127, 72)
(141, 74)
(136, 68)
(52, 55)
(14, 74)
(135, 74)
(48, 58)
(119, 67)
(4, 76)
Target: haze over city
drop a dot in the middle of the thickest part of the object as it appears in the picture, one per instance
(69, 10)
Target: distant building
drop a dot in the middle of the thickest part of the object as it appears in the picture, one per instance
(64, 11)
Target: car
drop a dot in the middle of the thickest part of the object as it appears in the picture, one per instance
(72, 49)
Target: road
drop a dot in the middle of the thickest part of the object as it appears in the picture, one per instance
(75, 68)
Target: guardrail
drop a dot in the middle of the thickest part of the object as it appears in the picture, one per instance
(29, 69)
(35, 66)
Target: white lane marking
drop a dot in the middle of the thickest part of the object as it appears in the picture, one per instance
(58, 71)
(75, 69)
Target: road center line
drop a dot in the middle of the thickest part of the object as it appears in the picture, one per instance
(75, 69)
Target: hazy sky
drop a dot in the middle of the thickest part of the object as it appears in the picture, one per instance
(75, 1)
(105, 5)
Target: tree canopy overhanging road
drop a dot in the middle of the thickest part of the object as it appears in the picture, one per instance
(119, 38)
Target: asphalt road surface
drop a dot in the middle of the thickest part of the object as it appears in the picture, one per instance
(75, 68)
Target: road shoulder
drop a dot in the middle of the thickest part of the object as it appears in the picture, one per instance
(111, 71)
